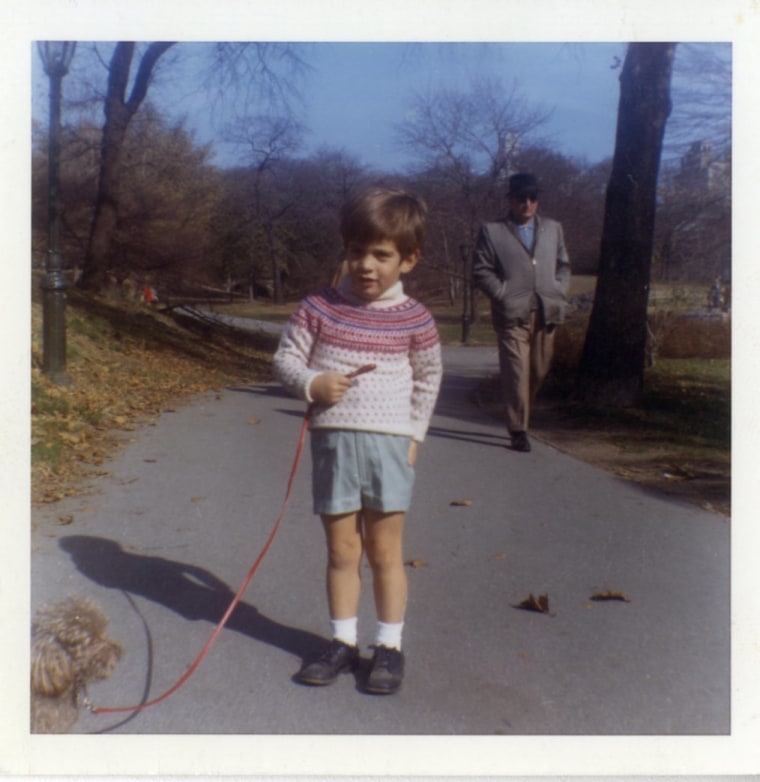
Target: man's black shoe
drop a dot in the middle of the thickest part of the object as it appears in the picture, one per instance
(337, 658)
(387, 671)
(520, 442)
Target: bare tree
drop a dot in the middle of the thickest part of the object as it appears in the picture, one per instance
(693, 239)
(467, 142)
(614, 354)
(471, 138)
(246, 65)
(702, 96)
(119, 110)
(267, 142)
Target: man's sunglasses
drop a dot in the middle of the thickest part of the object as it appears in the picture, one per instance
(525, 197)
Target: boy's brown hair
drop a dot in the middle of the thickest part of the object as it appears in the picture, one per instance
(380, 214)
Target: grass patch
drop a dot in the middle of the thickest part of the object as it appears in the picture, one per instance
(686, 403)
(48, 400)
(687, 392)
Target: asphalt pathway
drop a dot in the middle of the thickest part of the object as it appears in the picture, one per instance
(164, 540)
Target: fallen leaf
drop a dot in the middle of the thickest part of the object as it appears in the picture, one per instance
(197, 499)
(539, 604)
(252, 421)
(499, 555)
(610, 595)
(465, 503)
(416, 563)
(65, 520)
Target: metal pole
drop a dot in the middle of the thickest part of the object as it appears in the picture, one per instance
(464, 249)
(54, 284)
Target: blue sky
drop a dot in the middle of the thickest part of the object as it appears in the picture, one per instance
(357, 92)
(360, 90)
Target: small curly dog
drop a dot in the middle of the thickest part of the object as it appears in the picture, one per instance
(69, 649)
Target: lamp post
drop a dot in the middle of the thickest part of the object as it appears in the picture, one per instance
(56, 58)
(464, 249)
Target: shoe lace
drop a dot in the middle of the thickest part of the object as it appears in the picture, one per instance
(331, 651)
(383, 656)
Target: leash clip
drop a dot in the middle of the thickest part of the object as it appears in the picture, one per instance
(83, 698)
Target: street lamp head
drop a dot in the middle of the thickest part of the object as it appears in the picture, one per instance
(56, 56)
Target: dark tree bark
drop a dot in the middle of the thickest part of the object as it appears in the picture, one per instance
(614, 354)
(119, 111)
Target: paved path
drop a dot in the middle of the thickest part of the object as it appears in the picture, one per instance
(169, 535)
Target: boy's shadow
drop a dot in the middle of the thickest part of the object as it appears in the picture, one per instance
(190, 591)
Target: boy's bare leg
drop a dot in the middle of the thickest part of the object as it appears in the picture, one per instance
(383, 539)
(344, 554)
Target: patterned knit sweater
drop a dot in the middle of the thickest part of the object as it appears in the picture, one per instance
(334, 331)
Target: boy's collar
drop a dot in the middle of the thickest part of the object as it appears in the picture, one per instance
(394, 295)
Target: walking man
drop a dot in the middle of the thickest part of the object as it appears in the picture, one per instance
(522, 265)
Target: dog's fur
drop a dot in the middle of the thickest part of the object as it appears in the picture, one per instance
(69, 649)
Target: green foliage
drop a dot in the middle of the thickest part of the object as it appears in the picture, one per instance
(687, 393)
(690, 398)
(48, 452)
(50, 407)
(46, 403)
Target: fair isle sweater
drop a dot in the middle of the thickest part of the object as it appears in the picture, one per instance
(334, 331)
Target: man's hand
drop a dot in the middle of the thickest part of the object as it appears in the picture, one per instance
(328, 388)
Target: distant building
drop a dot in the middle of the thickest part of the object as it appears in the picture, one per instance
(701, 171)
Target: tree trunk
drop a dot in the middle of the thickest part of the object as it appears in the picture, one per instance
(118, 114)
(614, 353)
(277, 295)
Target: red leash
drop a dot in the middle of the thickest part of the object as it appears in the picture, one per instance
(246, 582)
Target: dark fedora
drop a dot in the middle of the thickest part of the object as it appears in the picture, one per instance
(523, 186)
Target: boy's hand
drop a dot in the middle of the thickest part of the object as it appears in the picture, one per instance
(328, 388)
(412, 457)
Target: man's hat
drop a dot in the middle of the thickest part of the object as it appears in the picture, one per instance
(521, 185)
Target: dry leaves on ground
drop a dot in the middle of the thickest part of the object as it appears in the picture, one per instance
(539, 604)
(120, 378)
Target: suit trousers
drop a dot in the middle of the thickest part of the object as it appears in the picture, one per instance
(525, 356)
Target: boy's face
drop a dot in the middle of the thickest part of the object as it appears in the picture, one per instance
(375, 267)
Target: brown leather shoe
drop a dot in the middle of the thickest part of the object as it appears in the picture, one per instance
(387, 671)
(337, 658)
(520, 442)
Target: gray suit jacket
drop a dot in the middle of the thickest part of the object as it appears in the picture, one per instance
(514, 276)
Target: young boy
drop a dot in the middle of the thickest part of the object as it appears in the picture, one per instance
(365, 426)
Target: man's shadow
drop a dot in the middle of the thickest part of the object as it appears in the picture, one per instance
(188, 590)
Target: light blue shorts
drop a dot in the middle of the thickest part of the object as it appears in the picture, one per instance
(354, 470)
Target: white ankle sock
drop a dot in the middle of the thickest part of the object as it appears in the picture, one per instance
(345, 630)
(389, 634)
